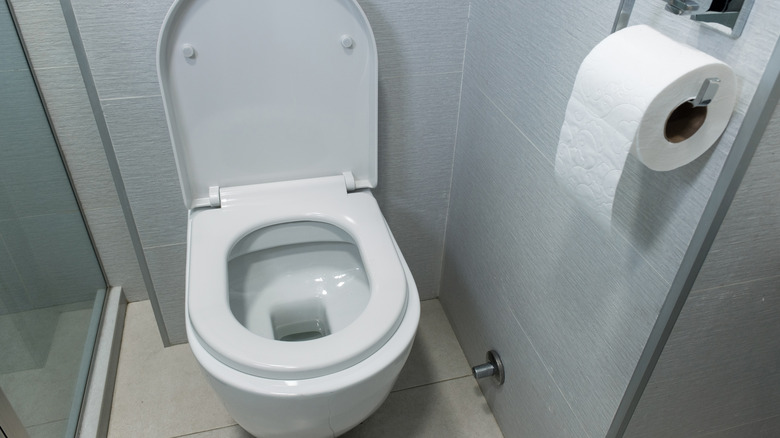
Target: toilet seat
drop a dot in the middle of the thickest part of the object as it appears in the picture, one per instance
(259, 91)
(213, 234)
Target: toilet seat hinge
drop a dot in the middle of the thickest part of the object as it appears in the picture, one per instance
(349, 181)
(214, 198)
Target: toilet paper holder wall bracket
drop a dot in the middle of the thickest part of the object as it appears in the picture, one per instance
(707, 92)
(730, 13)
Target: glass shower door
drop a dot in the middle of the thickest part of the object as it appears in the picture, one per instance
(50, 279)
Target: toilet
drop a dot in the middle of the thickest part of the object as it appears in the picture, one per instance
(300, 307)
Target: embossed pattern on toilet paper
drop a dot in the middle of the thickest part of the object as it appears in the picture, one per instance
(596, 136)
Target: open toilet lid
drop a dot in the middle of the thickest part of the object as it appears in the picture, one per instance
(260, 91)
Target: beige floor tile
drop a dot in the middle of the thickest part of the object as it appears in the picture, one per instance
(49, 430)
(44, 395)
(225, 432)
(160, 392)
(25, 339)
(436, 355)
(452, 409)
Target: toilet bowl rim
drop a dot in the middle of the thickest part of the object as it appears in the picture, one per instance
(225, 338)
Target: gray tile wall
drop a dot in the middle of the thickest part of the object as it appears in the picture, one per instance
(45, 251)
(54, 62)
(525, 271)
(421, 47)
(718, 374)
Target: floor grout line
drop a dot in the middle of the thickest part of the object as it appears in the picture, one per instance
(422, 385)
(205, 430)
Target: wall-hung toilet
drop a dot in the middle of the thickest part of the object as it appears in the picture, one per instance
(300, 307)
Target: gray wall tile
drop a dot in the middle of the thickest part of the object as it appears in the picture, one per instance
(45, 33)
(47, 254)
(109, 232)
(719, 368)
(748, 243)
(529, 404)
(7, 212)
(586, 317)
(13, 297)
(120, 39)
(167, 265)
(761, 429)
(79, 140)
(717, 375)
(416, 138)
(27, 144)
(143, 149)
(54, 258)
(10, 51)
(420, 37)
(62, 88)
(585, 299)
(525, 59)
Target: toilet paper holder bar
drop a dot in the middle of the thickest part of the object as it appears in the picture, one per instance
(707, 92)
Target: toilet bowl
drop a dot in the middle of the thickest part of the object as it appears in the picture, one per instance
(299, 307)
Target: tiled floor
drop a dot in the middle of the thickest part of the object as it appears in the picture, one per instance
(40, 356)
(161, 393)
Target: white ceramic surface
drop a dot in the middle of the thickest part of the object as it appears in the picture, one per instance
(215, 232)
(324, 406)
(273, 85)
(272, 110)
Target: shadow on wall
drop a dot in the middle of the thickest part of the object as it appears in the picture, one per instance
(646, 200)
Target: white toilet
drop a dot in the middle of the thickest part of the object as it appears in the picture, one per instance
(300, 307)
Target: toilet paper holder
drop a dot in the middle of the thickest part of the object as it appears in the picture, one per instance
(730, 13)
(707, 92)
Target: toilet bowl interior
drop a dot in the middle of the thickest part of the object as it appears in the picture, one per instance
(297, 281)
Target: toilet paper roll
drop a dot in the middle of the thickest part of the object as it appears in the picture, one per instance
(633, 93)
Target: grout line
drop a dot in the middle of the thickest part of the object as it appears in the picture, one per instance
(50, 213)
(56, 67)
(431, 383)
(109, 99)
(163, 246)
(497, 108)
(549, 374)
(452, 162)
(714, 432)
(421, 75)
(738, 283)
(205, 430)
(46, 422)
